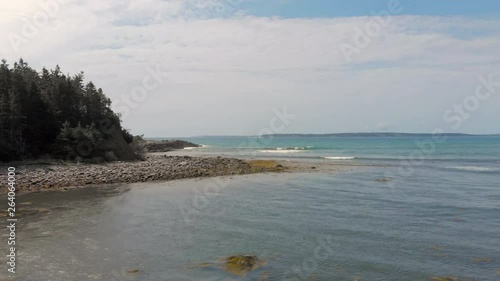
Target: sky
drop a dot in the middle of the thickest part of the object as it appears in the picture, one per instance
(178, 68)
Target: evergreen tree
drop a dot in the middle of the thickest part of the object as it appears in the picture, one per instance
(52, 113)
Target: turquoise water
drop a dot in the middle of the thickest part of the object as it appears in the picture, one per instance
(367, 148)
(440, 219)
(464, 154)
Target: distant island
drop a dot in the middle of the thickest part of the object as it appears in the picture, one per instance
(373, 134)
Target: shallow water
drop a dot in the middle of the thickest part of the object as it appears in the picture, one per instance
(307, 226)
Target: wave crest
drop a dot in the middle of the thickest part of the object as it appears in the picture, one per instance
(279, 151)
(340, 157)
(284, 149)
(475, 168)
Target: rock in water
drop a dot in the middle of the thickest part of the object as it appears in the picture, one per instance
(449, 278)
(168, 145)
(241, 265)
(383, 180)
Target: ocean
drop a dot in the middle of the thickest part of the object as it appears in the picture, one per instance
(411, 208)
(454, 153)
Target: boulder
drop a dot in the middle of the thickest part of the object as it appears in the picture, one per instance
(242, 264)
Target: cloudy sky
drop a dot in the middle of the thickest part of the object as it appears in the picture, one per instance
(224, 67)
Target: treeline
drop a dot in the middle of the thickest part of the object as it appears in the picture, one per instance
(51, 114)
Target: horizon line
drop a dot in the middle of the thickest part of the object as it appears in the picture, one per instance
(331, 134)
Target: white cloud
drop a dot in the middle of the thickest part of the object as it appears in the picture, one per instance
(227, 73)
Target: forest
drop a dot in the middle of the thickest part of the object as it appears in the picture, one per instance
(53, 115)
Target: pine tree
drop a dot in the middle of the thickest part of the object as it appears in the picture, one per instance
(51, 113)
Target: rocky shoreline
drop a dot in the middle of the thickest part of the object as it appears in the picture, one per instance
(45, 177)
(168, 145)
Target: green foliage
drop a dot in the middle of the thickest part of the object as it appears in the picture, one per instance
(52, 113)
(79, 140)
(139, 138)
(138, 146)
(129, 138)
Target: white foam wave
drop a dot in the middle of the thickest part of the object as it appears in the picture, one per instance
(340, 157)
(201, 146)
(280, 151)
(474, 168)
(285, 148)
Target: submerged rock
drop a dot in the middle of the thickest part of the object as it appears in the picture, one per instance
(449, 278)
(30, 211)
(483, 260)
(255, 166)
(241, 265)
(383, 180)
(24, 212)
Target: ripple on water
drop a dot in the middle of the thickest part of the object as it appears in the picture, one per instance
(371, 233)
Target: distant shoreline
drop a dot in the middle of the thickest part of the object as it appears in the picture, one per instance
(383, 135)
(368, 134)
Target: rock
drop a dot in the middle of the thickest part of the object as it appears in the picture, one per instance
(449, 278)
(165, 146)
(241, 265)
(483, 260)
(155, 168)
(25, 212)
(383, 180)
